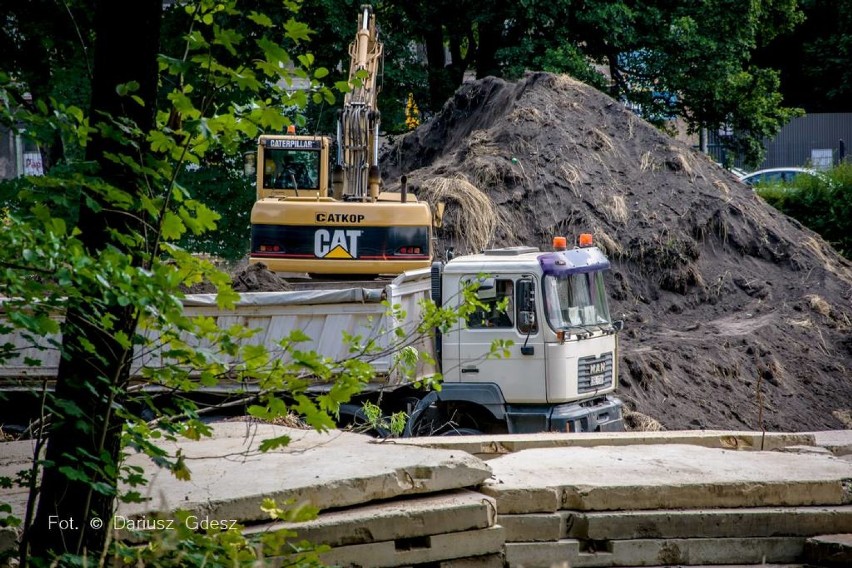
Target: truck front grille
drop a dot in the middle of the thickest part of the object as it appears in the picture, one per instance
(594, 373)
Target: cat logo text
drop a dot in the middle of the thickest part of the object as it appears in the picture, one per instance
(338, 243)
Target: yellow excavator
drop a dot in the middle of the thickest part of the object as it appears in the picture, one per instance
(297, 227)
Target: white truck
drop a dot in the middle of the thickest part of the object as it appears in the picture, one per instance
(563, 365)
(561, 370)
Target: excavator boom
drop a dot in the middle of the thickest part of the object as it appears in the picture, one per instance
(358, 123)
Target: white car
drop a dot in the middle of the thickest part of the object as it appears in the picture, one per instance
(775, 175)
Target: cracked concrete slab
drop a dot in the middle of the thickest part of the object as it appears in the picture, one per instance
(230, 477)
(833, 550)
(335, 469)
(663, 477)
(488, 447)
(407, 552)
(451, 512)
(838, 442)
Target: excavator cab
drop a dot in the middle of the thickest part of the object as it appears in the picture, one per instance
(291, 170)
(298, 164)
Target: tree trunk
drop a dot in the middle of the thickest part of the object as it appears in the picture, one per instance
(94, 368)
(440, 84)
(490, 40)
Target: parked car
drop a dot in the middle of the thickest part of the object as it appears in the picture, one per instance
(776, 176)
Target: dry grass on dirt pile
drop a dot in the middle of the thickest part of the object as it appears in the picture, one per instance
(735, 315)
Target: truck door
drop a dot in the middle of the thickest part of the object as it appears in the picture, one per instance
(520, 376)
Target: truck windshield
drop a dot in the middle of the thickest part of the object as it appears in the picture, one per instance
(578, 300)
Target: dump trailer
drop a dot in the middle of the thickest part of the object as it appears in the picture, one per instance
(548, 310)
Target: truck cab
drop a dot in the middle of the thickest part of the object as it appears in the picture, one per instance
(562, 364)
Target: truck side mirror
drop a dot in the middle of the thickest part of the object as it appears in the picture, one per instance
(618, 325)
(526, 306)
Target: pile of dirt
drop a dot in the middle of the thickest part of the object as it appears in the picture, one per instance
(735, 315)
(245, 278)
(258, 278)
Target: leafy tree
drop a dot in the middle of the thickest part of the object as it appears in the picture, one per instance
(93, 240)
(815, 58)
(667, 59)
(49, 50)
(693, 61)
(98, 323)
(222, 186)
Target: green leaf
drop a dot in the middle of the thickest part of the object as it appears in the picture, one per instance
(127, 88)
(172, 227)
(160, 142)
(123, 340)
(297, 31)
(274, 443)
(180, 469)
(260, 19)
(73, 473)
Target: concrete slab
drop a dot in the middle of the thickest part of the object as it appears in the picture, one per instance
(839, 442)
(564, 552)
(829, 550)
(15, 457)
(699, 551)
(663, 477)
(408, 552)
(535, 527)
(487, 447)
(709, 523)
(817, 450)
(654, 552)
(456, 511)
(336, 469)
(700, 523)
(231, 477)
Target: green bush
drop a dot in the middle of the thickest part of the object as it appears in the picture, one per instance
(822, 203)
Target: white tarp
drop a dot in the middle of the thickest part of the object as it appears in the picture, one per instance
(294, 298)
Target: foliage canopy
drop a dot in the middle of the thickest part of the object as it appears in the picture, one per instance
(96, 241)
